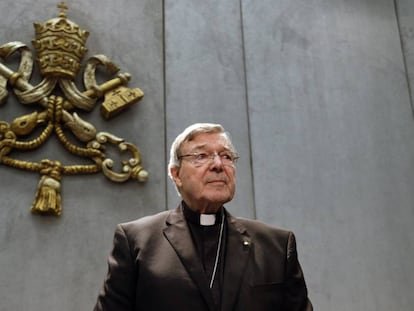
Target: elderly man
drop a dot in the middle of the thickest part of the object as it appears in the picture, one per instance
(199, 257)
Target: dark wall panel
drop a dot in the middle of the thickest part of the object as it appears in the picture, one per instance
(205, 80)
(51, 263)
(332, 130)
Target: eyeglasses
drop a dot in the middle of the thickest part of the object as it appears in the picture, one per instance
(201, 158)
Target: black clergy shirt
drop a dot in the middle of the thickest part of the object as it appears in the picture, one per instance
(206, 240)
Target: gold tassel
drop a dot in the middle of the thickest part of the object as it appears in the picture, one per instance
(48, 200)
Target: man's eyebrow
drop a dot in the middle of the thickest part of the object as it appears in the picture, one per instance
(202, 147)
(198, 147)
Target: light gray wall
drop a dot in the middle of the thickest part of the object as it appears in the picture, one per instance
(316, 95)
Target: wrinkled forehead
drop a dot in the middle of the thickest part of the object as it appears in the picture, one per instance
(205, 141)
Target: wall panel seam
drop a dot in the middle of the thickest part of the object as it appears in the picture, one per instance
(246, 94)
(164, 85)
(397, 17)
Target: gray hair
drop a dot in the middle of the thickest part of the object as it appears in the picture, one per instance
(188, 134)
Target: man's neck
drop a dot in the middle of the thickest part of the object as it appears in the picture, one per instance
(204, 208)
(204, 219)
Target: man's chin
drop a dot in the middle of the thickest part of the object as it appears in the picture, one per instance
(220, 198)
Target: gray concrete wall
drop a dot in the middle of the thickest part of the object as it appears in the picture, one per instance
(317, 97)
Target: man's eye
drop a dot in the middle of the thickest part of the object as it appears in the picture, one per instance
(226, 156)
(201, 156)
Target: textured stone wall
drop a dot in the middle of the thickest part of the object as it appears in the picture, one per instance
(316, 95)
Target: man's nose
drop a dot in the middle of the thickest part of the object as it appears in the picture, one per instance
(216, 161)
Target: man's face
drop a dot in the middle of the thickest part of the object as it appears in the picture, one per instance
(205, 187)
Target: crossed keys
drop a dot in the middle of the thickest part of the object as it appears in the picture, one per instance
(60, 47)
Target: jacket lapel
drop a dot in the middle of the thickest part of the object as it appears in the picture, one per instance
(179, 236)
(238, 248)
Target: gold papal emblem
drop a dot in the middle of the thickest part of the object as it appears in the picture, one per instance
(60, 46)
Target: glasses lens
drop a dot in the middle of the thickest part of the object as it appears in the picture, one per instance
(226, 158)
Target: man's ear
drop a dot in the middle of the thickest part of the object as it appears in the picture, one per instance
(175, 173)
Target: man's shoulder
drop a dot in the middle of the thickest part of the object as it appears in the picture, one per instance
(146, 222)
(261, 227)
(265, 236)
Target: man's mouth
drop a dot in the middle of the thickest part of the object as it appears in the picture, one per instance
(216, 181)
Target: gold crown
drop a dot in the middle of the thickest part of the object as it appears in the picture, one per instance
(60, 45)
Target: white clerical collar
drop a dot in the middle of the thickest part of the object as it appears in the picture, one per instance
(202, 219)
(207, 219)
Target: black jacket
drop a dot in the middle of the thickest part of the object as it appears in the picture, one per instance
(154, 266)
